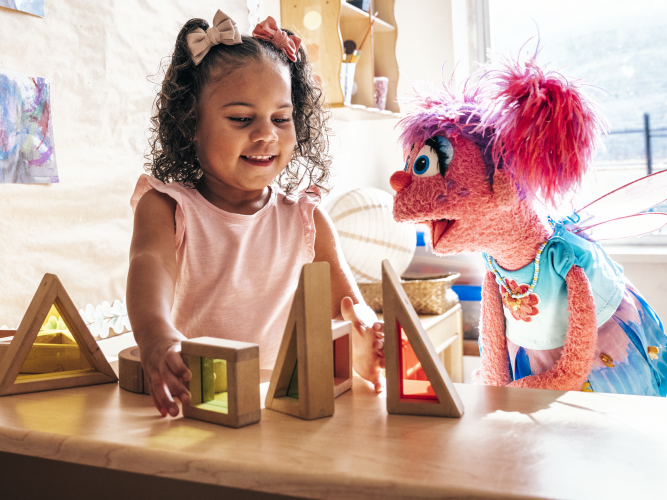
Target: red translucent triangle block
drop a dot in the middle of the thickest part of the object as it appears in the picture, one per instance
(413, 382)
(417, 382)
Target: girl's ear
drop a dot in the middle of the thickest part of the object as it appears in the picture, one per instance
(504, 190)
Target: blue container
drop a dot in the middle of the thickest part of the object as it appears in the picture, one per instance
(470, 298)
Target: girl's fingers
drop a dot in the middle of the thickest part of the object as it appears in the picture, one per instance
(177, 388)
(378, 346)
(162, 398)
(347, 310)
(177, 365)
(159, 407)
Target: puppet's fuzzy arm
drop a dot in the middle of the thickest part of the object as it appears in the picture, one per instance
(574, 365)
(495, 364)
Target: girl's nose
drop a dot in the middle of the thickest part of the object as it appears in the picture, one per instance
(264, 132)
(400, 180)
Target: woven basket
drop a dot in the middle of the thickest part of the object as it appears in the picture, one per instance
(427, 296)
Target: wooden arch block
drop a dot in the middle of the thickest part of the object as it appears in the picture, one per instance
(417, 382)
(130, 372)
(52, 293)
(224, 387)
(302, 382)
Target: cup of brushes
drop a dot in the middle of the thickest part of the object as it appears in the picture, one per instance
(348, 66)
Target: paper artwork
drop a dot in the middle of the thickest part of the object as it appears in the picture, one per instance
(26, 132)
(35, 7)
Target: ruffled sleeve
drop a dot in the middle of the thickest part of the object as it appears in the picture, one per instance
(309, 199)
(146, 183)
(560, 256)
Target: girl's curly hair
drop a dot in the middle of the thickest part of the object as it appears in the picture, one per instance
(173, 155)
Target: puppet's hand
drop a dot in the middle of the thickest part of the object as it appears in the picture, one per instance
(368, 344)
(164, 366)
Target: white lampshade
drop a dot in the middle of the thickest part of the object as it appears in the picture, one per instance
(368, 233)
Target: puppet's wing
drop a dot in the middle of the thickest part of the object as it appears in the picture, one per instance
(625, 227)
(633, 198)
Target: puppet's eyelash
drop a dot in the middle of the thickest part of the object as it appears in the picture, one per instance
(443, 149)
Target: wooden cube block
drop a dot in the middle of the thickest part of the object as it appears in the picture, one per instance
(224, 387)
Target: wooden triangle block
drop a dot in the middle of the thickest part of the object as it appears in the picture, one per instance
(51, 292)
(304, 365)
(441, 399)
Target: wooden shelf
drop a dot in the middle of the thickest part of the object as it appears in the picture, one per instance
(324, 25)
(360, 112)
(350, 12)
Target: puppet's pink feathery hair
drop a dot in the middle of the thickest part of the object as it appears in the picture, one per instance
(546, 129)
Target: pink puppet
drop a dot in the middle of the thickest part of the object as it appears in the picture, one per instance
(557, 312)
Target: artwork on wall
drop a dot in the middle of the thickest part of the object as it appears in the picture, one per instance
(26, 132)
(35, 7)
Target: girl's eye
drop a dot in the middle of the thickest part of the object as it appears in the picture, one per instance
(281, 120)
(240, 120)
(434, 158)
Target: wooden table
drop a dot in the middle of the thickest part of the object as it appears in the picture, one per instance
(511, 443)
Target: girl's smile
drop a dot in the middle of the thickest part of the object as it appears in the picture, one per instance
(259, 161)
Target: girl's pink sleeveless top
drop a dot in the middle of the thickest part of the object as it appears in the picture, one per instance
(237, 274)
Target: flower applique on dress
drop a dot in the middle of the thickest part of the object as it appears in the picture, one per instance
(521, 308)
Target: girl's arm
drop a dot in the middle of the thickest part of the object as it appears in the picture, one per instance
(150, 295)
(576, 360)
(346, 302)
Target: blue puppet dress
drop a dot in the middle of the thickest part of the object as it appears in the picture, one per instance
(631, 354)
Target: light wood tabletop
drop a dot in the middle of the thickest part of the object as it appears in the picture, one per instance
(510, 443)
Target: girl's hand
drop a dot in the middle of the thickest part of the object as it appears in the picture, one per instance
(368, 344)
(167, 372)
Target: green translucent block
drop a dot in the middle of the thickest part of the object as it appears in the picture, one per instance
(293, 387)
(214, 385)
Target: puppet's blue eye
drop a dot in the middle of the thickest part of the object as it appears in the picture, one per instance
(421, 165)
(434, 157)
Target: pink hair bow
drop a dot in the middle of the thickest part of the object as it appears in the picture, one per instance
(269, 31)
(224, 31)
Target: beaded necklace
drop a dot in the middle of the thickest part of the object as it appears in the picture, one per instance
(505, 283)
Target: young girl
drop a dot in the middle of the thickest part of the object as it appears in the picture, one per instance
(217, 247)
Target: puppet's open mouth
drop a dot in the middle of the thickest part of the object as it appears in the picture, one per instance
(439, 228)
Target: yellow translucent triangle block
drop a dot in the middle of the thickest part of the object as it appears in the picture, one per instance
(54, 351)
(53, 348)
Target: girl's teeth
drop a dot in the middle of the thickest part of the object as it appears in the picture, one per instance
(259, 157)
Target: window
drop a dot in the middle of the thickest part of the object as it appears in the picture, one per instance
(614, 45)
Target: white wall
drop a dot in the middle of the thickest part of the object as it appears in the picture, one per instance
(97, 55)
